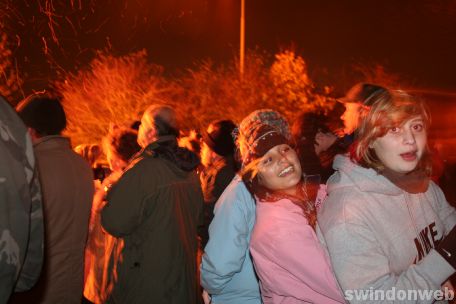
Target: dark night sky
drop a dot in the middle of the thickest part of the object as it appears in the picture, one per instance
(413, 38)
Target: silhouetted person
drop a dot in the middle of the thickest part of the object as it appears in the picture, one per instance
(102, 249)
(359, 96)
(67, 185)
(155, 208)
(217, 156)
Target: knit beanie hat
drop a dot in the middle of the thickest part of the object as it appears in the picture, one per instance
(264, 123)
(268, 117)
(219, 137)
(262, 139)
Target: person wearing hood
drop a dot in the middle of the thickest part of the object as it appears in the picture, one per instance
(389, 230)
(155, 207)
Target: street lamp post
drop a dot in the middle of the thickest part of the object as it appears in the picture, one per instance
(242, 40)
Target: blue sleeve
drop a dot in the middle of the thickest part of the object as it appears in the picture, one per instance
(229, 236)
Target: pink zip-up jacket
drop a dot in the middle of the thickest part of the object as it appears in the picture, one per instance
(289, 260)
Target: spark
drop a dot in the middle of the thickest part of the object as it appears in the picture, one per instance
(79, 4)
(18, 79)
(45, 47)
(49, 12)
(72, 25)
(99, 27)
(108, 42)
(18, 39)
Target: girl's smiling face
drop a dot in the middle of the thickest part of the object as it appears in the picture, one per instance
(279, 169)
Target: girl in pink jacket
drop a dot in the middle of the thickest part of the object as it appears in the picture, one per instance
(289, 260)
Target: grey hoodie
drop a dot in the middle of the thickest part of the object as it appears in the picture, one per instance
(381, 238)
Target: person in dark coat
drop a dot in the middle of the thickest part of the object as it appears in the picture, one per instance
(304, 131)
(316, 143)
(155, 207)
(217, 157)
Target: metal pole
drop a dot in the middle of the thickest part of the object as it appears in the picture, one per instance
(242, 42)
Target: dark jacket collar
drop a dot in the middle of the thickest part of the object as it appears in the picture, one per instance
(166, 147)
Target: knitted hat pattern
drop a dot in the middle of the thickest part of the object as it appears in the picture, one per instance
(252, 129)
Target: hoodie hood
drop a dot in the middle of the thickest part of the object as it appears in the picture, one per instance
(349, 174)
(166, 148)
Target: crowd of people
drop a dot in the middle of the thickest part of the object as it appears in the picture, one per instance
(256, 212)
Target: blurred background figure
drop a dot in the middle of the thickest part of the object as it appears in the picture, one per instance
(93, 154)
(102, 251)
(192, 142)
(316, 143)
(217, 157)
(304, 131)
(361, 94)
(90, 152)
(67, 186)
(21, 213)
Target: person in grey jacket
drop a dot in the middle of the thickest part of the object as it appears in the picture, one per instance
(67, 186)
(21, 212)
(389, 231)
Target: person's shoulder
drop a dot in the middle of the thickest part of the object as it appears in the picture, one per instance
(347, 204)
(433, 187)
(145, 162)
(344, 197)
(12, 127)
(435, 195)
(236, 198)
(236, 191)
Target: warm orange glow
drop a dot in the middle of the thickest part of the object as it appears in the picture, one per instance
(115, 90)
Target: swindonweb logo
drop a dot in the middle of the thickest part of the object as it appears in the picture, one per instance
(394, 294)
